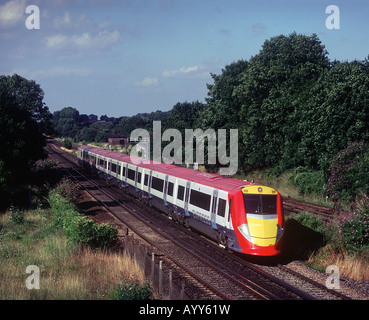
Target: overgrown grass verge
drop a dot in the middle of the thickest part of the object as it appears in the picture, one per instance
(79, 229)
(331, 248)
(67, 270)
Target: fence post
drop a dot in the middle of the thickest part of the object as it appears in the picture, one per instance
(152, 266)
(182, 291)
(160, 276)
(170, 285)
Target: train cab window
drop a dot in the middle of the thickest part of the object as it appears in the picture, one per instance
(222, 207)
(260, 204)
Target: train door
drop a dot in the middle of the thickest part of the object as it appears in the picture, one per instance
(149, 187)
(109, 166)
(221, 216)
(187, 195)
(126, 174)
(136, 177)
(214, 208)
(165, 190)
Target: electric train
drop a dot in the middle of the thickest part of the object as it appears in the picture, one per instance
(240, 216)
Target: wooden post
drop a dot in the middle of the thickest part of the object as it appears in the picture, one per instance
(152, 267)
(182, 291)
(160, 277)
(170, 285)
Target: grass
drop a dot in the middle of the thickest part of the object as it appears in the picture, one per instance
(315, 247)
(353, 266)
(66, 272)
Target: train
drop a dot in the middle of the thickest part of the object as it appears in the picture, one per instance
(240, 216)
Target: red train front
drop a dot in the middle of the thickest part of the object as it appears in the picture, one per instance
(257, 218)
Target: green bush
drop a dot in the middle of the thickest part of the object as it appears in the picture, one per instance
(308, 181)
(311, 221)
(132, 290)
(68, 189)
(353, 230)
(16, 216)
(78, 228)
(68, 143)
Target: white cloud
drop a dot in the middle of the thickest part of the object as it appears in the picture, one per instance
(57, 71)
(259, 29)
(63, 71)
(57, 42)
(69, 21)
(147, 82)
(183, 70)
(83, 41)
(64, 21)
(12, 12)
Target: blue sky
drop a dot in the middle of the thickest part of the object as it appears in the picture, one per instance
(124, 57)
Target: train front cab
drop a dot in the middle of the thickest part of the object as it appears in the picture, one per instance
(263, 226)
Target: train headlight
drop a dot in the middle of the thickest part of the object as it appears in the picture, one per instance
(244, 229)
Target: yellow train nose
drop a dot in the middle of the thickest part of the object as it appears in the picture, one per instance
(263, 229)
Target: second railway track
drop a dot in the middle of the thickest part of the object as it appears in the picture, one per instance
(215, 273)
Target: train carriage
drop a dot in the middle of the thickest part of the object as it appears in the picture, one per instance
(239, 215)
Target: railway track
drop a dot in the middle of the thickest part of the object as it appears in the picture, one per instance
(292, 206)
(217, 273)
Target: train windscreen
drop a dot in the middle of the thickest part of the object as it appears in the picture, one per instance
(260, 204)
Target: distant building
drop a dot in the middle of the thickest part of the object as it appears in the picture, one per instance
(116, 139)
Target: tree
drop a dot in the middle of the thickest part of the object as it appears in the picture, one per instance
(272, 93)
(223, 107)
(336, 112)
(67, 122)
(28, 96)
(21, 141)
(262, 97)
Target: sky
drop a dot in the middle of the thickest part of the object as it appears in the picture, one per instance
(123, 57)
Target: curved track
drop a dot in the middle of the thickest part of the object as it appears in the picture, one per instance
(217, 273)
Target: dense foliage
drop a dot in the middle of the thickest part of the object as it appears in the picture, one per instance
(132, 290)
(292, 106)
(24, 119)
(79, 229)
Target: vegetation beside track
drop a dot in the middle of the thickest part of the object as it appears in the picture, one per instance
(336, 243)
(68, 248)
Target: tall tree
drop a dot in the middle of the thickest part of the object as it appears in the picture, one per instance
(272, 91)
(21, 141)
(28, 96)
(67, 122)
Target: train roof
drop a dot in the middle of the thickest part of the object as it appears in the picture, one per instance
(209, 179)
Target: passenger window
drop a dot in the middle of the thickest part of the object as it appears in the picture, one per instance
(222, 207)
